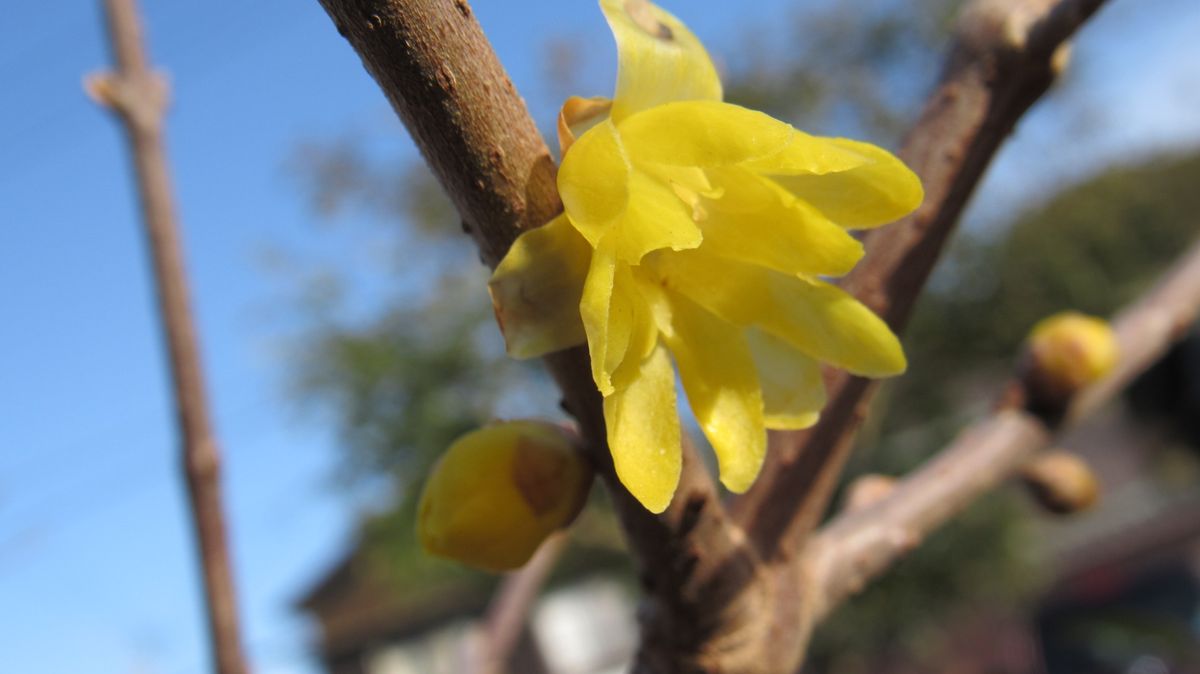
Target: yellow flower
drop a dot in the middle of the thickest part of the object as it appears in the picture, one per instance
(499, 491)
(700, 229)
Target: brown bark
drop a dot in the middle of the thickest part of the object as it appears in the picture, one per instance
(138, 97)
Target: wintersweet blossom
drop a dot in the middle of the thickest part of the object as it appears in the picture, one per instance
(699, 231)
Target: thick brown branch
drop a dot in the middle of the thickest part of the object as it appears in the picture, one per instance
(860, 545)
(434, 64)
(1004, 58)
(138, 97)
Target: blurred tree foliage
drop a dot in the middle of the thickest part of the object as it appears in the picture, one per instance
(405, 383)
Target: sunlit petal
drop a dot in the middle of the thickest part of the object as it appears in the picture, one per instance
(870, 195)
(594, 309)
(659, 60)
(593, 182)
(536, 290)
(618, 321)
(756, 221)
(821, 320)
(643, 432)
(792, 390)
(722, 387)
(713, 134)
(606, 198)
(629, 305)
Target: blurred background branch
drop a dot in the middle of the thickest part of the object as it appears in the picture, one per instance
(138, 96)
(1002, 60)
(856, 547)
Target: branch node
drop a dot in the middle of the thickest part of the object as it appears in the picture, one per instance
(868, 490)
(140, 98)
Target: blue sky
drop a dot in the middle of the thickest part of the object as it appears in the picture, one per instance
(96, 572)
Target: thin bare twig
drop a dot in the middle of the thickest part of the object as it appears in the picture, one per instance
(138, 97)
(508, 613)
(1005, 56)
(858, 546)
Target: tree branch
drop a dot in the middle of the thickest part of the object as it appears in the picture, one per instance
(138, 97)
(435, 66)
(1005, 55)
(858, 546)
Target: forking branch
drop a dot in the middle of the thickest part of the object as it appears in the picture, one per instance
(857, 546)
(721, 591)
(1005, 55)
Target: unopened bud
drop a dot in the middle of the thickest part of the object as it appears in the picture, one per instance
(1061, 482)
(499, 491)
(1067, 352)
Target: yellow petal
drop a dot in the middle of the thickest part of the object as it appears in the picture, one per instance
(792, 390)
(536, 290)
(876, 193)
(577, 115)
(594, 310)
(629, 305)
(643, 433)
(656, 218)
(722, 388)
(713, 134)
(821, 320)
(618, 321)
(658, 59)
(606, 198)
(593, 181)
(756, 221)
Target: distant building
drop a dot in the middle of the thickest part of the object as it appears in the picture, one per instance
(370, 626)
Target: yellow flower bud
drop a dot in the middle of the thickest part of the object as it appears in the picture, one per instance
(499, 491)
(1069, 351)
(1061, 482)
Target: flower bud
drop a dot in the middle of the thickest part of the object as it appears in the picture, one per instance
(499, 491)
(1067, 352)
(1061, 482)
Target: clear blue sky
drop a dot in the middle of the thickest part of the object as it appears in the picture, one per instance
(96, 572)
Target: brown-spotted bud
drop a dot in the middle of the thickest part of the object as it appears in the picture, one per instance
(499, 491)
(1061, 482)
(1067, 352)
